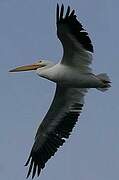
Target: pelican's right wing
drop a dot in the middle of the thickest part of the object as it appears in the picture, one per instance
(56, 126)
(76, 43)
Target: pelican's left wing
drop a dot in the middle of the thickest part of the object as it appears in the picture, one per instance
(77, 45)
(56, 126)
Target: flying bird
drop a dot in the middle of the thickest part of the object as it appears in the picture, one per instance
(73, 77)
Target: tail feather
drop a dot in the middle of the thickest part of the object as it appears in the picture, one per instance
(106, 82)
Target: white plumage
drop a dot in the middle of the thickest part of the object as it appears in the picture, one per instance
(73, 77)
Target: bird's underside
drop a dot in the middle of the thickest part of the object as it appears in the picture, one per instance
(68, 102)
(73, 78)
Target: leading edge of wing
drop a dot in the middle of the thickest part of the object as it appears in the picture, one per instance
(74, 27)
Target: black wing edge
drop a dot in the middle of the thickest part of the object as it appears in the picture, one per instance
(75, 26)
(54, 140)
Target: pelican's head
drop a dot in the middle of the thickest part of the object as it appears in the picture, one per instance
(40, 64)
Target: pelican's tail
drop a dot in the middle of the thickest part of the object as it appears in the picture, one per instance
(106, 81)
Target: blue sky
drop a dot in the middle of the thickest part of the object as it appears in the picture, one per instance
(28, 32)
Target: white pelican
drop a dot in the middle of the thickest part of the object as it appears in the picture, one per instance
(73, 78)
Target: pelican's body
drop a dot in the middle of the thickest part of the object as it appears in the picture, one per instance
(70, 76)
(73, 77)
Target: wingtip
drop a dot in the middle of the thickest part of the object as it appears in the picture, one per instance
(39, 170)
(34, 170)
(72, 13)
(57, 5)
(61, 11)
(27, 175)
(57, 13)
(68, 11)
(27, 162)
(62, 6)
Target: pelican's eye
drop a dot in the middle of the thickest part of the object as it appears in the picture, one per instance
(39, 62)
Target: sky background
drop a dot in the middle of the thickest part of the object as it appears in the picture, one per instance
(28, 32)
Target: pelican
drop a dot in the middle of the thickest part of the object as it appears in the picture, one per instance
(73, 77)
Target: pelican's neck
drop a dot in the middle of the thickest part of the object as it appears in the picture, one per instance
(45, 71)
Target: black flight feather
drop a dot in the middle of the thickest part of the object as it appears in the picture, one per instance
(53, 141)
(74, 27)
